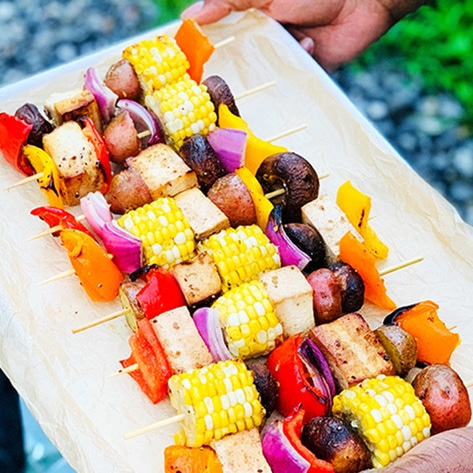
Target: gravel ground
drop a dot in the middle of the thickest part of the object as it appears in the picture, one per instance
(425, 129)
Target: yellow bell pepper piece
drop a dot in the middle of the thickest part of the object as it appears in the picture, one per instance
(357, 207)
(257, 150)
(49, 181)
(263, 206)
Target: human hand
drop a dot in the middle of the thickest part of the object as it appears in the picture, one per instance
(332, 31)
(451, 450)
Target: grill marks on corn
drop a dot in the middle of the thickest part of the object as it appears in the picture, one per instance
(387, 414)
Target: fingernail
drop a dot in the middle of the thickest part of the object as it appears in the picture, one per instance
(308, 44)
(189, 12)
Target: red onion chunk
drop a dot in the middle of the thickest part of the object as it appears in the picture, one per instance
(143, 119)
(279, 453)
(105, 98)
(230, 146)
(318, 368)
(289, 252)
(125, 248)
(208, 325)
(96, 210)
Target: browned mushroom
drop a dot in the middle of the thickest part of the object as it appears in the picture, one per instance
(293, 174)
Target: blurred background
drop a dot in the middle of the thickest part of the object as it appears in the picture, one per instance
(414, 85)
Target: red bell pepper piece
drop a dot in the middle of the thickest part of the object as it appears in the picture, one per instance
(91, 133)
(295, 382)
(98, 274)
(13, 135)
(55, 217)
(161, 293)
(195, 45)
(153, 370)
(292, 428)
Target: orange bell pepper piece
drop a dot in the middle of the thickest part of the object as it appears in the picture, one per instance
(357, 207)
(178, 458)
(354, 253)
(257, 150)
(195, 45)
(435, 342)
(97, 273)
(263, 206)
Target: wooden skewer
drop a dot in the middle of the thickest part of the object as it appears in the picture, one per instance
(62, 275)
(144, 134)
(51, 230)
(157, 425)
(469, 384)
(128, 369)
(401, 266)
(281, 190)
(224, 42)
(287, 133)
(255, 90)
(102, 320)
(32, 178)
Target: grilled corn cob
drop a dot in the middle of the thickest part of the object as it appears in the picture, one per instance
(157, 61)
(184, 108)
(387, 414)
(241, 254)
(164, 231)
(249, 322)
(216, 400)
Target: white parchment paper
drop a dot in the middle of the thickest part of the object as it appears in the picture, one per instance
(64, 377)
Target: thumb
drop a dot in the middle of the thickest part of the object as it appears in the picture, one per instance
(207, 12)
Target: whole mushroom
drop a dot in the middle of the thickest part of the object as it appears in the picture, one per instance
(294, 177)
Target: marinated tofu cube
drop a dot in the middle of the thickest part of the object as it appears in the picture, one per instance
(241, 453)
(63, 107)
(163, 171)
(198, 278)
(182, 343)
(326, 216)
(76, 161)
(352, 350)
(291, 297)
(204, 217)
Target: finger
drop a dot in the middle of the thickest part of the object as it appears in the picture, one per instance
(207, 12)
(306, 42)
(448, 451)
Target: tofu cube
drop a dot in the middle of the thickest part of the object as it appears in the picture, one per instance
(181, 341)
(163, 170)
(204, 217)
(241, 453)
(76, 161)
(352, 350)
(63, 107)
(326, 216)
(198, 279)
(291, 296)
